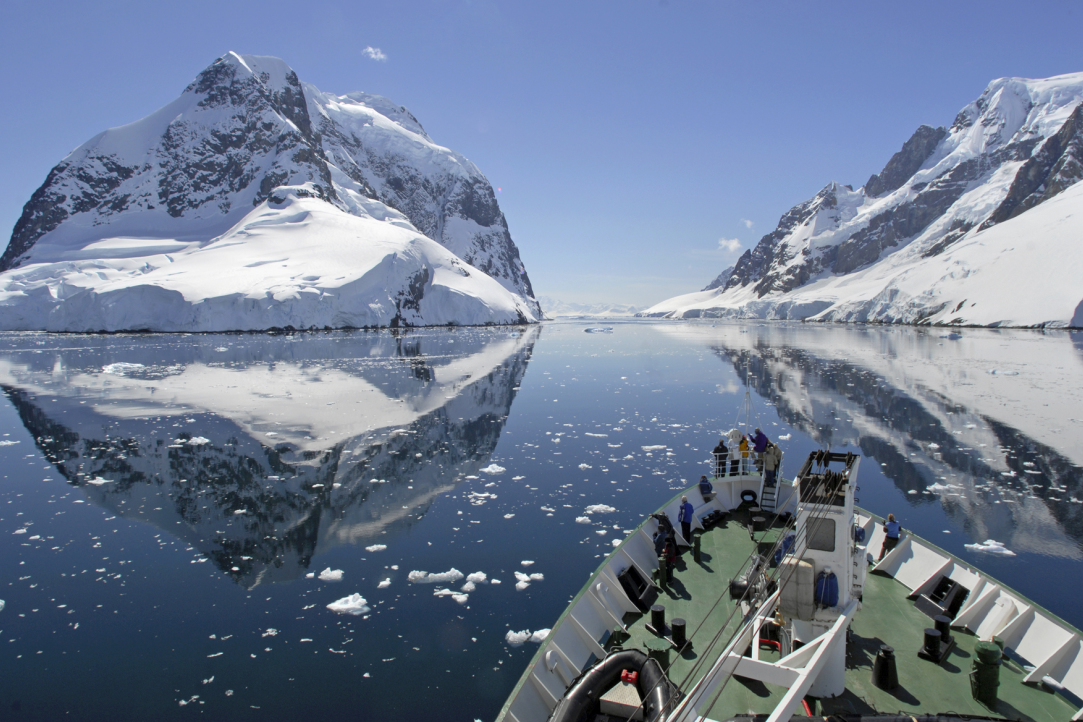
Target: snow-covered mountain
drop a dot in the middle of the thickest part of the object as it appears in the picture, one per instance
(254, 201)
(977, 224)
(555, 308)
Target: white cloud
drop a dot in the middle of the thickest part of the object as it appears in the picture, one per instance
(748, 223)
(375, 54)
(729, 245)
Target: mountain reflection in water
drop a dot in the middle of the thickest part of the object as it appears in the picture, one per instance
(983, 422)
(260, 451)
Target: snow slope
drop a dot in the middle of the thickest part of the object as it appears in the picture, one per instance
(956, 217)
(256, 201)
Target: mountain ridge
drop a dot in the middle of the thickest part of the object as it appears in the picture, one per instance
(249, 146)
(847, 255)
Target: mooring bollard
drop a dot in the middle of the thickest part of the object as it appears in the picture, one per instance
(695, 547)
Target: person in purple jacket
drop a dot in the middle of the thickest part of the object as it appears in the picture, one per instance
(759, 444)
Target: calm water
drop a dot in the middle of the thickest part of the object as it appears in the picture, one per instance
(167, 503)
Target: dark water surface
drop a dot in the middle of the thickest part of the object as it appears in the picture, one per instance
(167, 503)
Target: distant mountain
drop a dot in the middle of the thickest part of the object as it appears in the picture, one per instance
(554, 308)
(976, 224)
(255, 201)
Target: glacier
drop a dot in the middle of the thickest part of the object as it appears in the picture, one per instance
(256, 201)
(978, 224)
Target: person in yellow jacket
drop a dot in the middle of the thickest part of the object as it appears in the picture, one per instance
(744, 454)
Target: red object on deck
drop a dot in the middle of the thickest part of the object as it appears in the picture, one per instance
(629, 676)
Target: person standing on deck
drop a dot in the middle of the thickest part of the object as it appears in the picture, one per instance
(706, 489)
(744, 454)
(720, 454)
(892, 531)
(685, 518)
(772, 459)
(759, 445)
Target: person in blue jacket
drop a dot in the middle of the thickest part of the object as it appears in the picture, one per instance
(706, 488)
(892, 531)
(759, 445)
(685, 518)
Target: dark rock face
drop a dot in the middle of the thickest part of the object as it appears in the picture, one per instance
(720, 281)
(755, 265)
(906, 162)
(1055, 166)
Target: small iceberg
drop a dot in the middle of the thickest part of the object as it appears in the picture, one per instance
(354, 604)
(331, 575)
(599, 329)
(991, 546)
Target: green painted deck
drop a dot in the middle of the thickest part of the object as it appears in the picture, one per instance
(887, 617)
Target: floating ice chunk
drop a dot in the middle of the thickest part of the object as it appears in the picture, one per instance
(934, 446)
(601, 532)
(239, 512)
(493, 469)
(517, 478)
(477, 498)
(450, 576)
(656, 447)
(198, 441)
(270, 632)
(523, 577)
(468, 587)
(521, 585)
(216, 654)
(527, 562)
(785, 437)
(547, 508)
(599, 509)
(377, 481)
(938, 487)
(517, 639)
(8, 442)
(584, 467)
(599, 436)
(354, 604)
(509, 516)
(476, 577)
(582, 520)
(494, 581)
(991, 546)
(384, 584)
(120, 368)
(460, 598)
(376, 548)
(331, 575)
(98, 481)
(616, 542)
(310, 575)
(1, 605)
(912, 492)
(537, 577)
(19, 531)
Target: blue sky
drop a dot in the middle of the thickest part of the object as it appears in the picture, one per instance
(639, 146)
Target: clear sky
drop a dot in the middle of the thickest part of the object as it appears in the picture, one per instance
(639, 147)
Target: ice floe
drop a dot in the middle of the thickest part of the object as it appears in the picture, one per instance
(584, 467)
(991, 546)
(98, 481)
(384, 584)
(354, 604)
(376, 548)
(583, 520)
(493, 469)
(477, 498)
(331, 575)
(8, 442)
(476, 577)
(599, 509)
(527, 562)
(121, 368)
(656, 447)
(448, 577)
(518, 639)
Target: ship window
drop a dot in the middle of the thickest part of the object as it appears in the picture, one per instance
(821, 534)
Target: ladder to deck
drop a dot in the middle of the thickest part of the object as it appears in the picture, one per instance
(769, 497)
